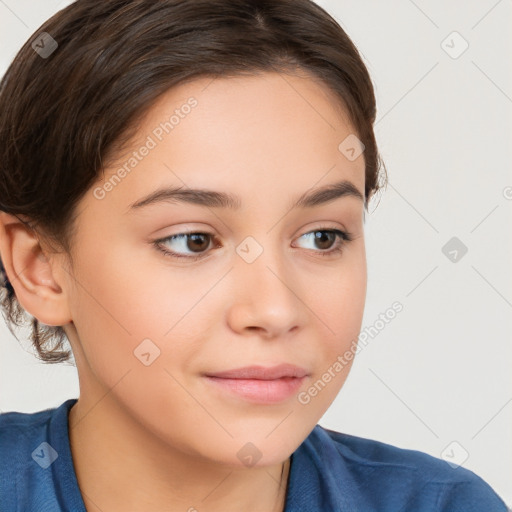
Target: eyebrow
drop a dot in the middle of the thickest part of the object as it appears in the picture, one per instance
(214, 199)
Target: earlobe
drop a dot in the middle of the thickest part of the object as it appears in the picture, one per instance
(30, 272)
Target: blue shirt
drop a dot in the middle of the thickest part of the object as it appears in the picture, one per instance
(330, 471)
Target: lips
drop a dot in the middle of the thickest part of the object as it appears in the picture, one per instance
(261, 372)
(259, 384)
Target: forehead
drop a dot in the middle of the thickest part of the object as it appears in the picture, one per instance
(250, 135)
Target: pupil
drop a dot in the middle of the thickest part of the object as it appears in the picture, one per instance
(320, 238)
(194, 238)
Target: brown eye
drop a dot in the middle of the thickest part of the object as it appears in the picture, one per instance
(198, 242)
(195, 245)
(323, 240)
(185, 245)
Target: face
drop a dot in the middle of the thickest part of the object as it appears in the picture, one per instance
(257, 281)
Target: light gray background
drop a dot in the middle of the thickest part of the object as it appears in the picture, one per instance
(440, 371)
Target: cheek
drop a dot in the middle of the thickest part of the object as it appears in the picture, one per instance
(338, 305)
(123, 301)
(338, 297)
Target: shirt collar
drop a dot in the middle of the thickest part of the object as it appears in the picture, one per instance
(320, 478)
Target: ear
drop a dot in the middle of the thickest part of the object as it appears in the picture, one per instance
(31, 273)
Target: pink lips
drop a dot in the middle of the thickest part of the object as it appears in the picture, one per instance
(260, 384)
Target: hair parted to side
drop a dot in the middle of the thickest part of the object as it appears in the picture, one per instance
(62, 116)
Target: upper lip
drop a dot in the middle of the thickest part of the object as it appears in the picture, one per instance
(262, 372)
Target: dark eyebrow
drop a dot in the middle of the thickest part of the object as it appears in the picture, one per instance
(213, 199)
(327, 194)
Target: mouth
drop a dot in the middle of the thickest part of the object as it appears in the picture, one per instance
(259, 384)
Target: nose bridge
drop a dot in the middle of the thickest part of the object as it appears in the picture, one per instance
(257, 251)
(264, 272)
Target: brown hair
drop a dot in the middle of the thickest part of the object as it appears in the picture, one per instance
(62, 114)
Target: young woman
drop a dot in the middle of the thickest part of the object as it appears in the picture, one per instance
(183, 187)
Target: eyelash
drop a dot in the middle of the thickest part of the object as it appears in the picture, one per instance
(343, 237)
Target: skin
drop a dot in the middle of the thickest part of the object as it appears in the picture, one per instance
(163, 428)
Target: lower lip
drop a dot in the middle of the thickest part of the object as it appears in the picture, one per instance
(260, 391)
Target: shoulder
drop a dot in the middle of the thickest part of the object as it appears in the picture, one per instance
(27, 450)
(19, 431)
(388, 477)
(15, 421)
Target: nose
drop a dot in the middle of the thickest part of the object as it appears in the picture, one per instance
(266, 296)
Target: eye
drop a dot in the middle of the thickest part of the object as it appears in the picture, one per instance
(324, 238)
(195, 242)
(198, 243)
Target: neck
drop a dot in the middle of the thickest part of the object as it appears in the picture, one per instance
(111, 451)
